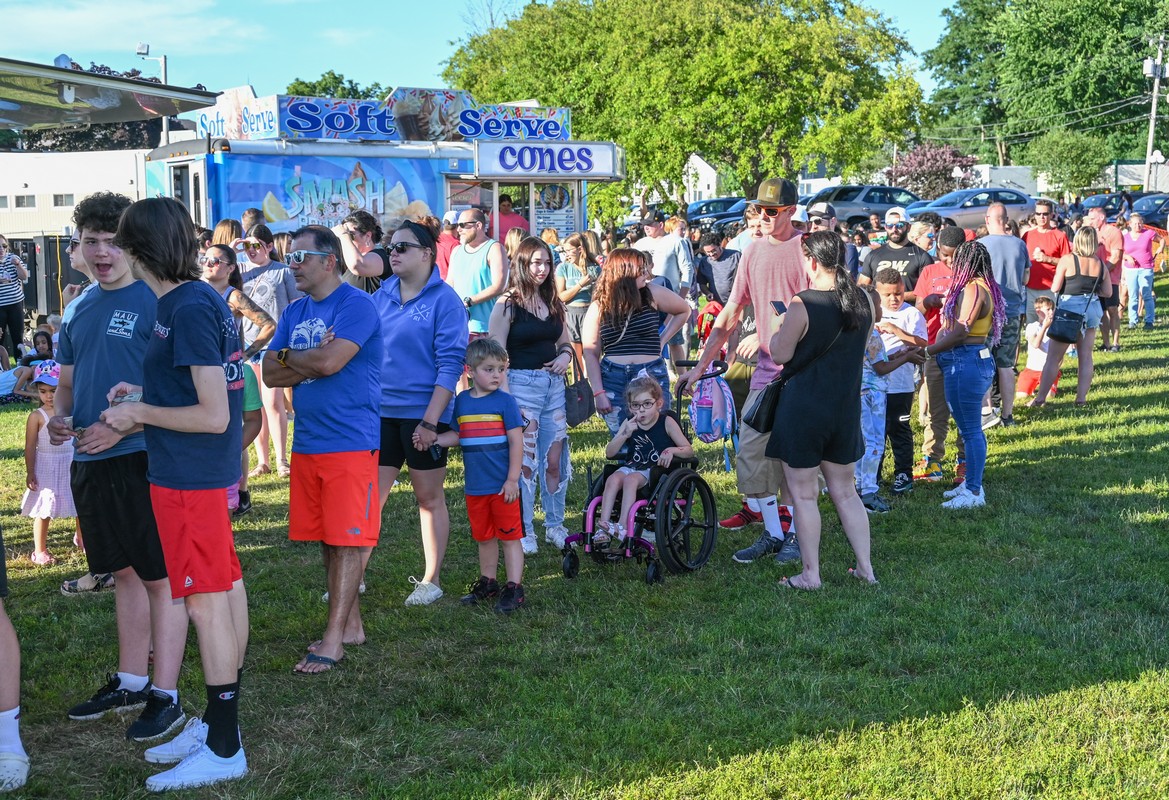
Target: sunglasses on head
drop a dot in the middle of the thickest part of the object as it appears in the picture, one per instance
(402, 247)
(297, 256)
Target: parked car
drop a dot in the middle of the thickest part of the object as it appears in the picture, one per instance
(853, 204)
(1110, 202)
(715, 205)
(917, 204)
(966, 208)
(1153, 208)
(714, 222)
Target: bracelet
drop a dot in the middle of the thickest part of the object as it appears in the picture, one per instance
(428, 426)
(598, 394)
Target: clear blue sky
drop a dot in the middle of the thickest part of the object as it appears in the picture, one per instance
(268, 43)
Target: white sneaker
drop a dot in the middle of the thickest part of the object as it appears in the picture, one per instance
(201, 768)
(556, 536)
(13, 771)
(360, 590)
(957, 490)
(967, 499)
(529, 544)
(189, 740)
(424, 593)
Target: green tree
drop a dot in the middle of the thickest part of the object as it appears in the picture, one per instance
(759, 88)
(1071, 160)
(333, 84)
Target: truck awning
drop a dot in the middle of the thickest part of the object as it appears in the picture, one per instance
(35, 96)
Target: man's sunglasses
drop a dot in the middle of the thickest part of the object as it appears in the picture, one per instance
(402, 247)
(896, 226)
(825, 221)
(297, 256)
(466, 224)
(774, 211)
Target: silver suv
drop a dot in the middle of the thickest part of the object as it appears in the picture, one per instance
(853, 204)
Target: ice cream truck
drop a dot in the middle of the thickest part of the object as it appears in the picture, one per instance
(312, 160)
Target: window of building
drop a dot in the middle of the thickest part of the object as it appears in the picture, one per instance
(26, 201)
(3, 201)
(62, 200)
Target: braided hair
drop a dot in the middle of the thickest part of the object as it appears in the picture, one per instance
(971, 261)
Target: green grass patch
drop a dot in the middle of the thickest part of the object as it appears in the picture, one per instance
(1016, 651)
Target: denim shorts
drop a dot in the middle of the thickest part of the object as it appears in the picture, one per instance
(615, 377)
(1086, 304)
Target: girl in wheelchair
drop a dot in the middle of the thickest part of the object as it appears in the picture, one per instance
(647, 439)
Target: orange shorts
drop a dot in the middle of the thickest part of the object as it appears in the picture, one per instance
(333, 499)
(492, 518)
(194, 527)
(1029, 381)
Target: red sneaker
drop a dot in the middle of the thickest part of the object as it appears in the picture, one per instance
(740, 519)
(960, 471)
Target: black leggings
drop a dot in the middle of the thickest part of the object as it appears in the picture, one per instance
(12, 322)
(898, 412)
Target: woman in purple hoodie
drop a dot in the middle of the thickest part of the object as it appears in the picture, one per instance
(424, 329)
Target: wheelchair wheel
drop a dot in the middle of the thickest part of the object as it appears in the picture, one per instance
(570, 564)
(686, 524)
(653, 573)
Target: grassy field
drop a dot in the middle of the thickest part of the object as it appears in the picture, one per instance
(1012, 652)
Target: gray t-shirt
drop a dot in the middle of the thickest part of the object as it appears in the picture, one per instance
(671, 257)
(717, 276)
(1009, 260)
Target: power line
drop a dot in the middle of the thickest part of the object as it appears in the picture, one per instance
(1011, 136)
(1023, 137)
(1117, 103)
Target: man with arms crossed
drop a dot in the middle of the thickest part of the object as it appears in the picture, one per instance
(328, 347)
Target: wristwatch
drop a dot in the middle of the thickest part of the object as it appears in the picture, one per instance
(282, 354)
(467, 302)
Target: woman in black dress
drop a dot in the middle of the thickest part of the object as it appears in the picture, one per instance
(821, 344)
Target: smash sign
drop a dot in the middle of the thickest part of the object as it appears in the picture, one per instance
(524, 158)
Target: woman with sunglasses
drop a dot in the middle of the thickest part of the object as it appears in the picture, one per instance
(271, 286)
(13, 275)
(424, 334)
(221, 272)
(529, 321)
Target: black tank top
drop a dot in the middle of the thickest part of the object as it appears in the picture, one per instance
(637, 338)
(839, 369)
(646, 446)
(531, 341)
(1080, 284)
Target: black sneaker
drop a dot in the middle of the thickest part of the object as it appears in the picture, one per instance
(1008, 421)
(903, 481)
(790, 552)
(764, 545)
(483, 589)
(108, 698)
(245, 505)
(510, 599)
(161, 716)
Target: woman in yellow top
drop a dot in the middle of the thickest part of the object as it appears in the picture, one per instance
(972, 319)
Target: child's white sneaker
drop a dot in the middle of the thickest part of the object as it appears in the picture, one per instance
(424, 593)
(528, 543)
(13, 771)
(555, 536)
(967, 499)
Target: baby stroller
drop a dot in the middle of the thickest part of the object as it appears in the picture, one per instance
(673, 524)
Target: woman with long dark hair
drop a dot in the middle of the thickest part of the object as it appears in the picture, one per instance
(821, 344)
(622, 333)
(973, 314)
(575, 278)
(424, 334)
(529, 321)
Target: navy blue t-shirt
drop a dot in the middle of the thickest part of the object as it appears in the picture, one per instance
(338, 413)
(105, 339)
(194, 329)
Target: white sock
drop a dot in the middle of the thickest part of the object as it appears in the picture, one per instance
(753, 504)
(769, 508)
(133, 683)
(10, 732)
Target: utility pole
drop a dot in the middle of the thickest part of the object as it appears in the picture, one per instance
(1155, 70)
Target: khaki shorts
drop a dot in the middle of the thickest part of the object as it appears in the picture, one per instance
(755, 473)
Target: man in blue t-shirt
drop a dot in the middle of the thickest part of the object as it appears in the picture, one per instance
(103, 343)
(328, 347)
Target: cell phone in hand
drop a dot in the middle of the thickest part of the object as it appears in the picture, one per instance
(436, 452)
(779, 306)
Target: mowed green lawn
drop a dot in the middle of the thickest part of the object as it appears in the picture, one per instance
(1011, 652)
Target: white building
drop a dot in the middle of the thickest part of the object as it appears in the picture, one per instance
(39, 190)
(699, 179)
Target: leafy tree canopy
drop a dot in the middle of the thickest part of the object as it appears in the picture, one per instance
(759, 88)
(1071, 160)
(333, 84)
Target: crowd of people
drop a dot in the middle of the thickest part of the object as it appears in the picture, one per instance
(387, 348)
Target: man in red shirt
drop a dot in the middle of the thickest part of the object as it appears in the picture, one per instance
(930, 290)
(1047, 245)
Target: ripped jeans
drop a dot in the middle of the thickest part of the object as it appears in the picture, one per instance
(540, 396)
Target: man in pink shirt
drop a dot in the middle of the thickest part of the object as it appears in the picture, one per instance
(497, 229)
(1111, 253)
(1047, 245)
(772, 268)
